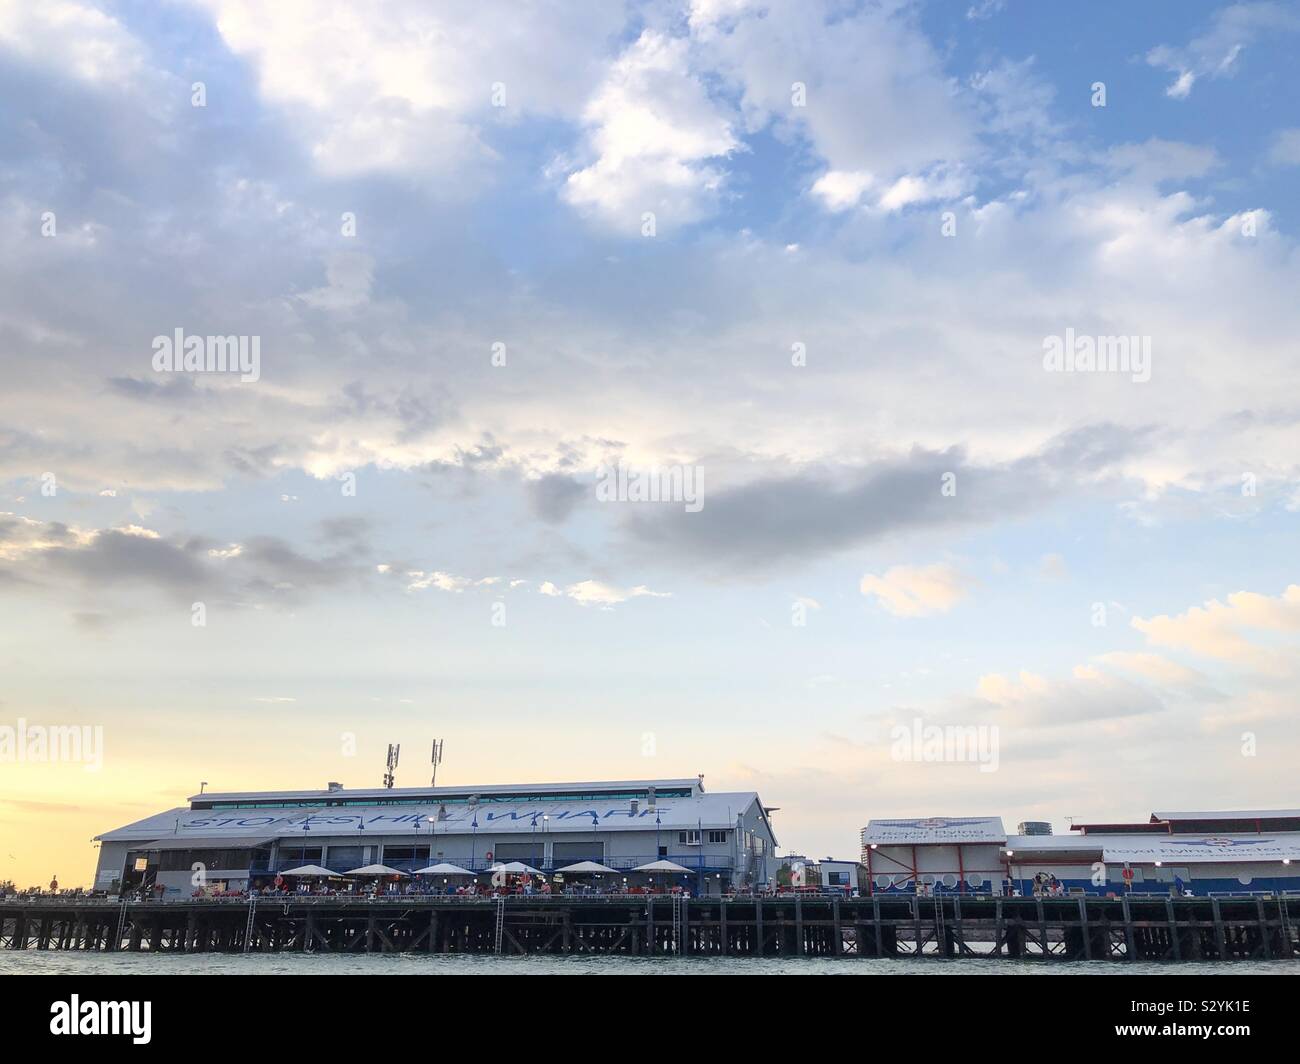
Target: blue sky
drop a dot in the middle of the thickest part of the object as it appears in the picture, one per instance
(1111, 586)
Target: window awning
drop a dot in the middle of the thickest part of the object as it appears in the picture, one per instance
(181, 842)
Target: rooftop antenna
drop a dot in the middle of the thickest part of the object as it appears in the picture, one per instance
(393, 753)
(436, 758)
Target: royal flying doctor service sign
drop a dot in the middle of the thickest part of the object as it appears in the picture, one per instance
(935, 829)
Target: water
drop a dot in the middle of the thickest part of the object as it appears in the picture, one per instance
(40, 962)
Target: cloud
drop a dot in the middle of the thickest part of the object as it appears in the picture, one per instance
(76, 38)
(1285, 149)
(1053, 567)
(657, 138)
(1158, 160)
(1088, 694)
(839, 190)
(1216, 52)
(823, 510)
(595, 593)
(68, 561)
(401, 86)
(844, 58)
(1153, 667)
(917, 591)
(1220, 630)
(555, 496)
(418, 580)
(985, 9)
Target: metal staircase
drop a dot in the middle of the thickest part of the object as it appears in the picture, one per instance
(501, 922)
(121, 925)
(248, 927)
(678, 929)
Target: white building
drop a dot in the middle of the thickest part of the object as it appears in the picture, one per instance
(943, 853)
(243, 839)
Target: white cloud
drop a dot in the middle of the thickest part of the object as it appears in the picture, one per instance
(348, 279)
(985, 9)
(1087, 694)
(595, 593)
(876, 98)
(1181, 87)
(20, 536)
(910, 189)
(1215, 53)
(1220, 630)
(404, 85)
(916, 591)
(839, 190)
(1153, 667)
(657, 138)
(418, 580)
(73, 38)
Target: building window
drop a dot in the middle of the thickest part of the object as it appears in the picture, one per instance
(717, 836)
(528, 852)
(293, 856)
(345, 858)
(688, 838)
(563, 853)
(405, 853)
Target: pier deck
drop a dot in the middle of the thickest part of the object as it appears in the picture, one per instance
(1045, 929)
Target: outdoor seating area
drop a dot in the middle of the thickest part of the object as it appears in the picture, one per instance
(584, 878)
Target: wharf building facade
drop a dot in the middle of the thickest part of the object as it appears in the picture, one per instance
(241, 840)
(1181, 853)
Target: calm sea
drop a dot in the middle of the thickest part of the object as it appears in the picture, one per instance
(37, 962)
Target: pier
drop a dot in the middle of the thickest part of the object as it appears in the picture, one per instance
(1132, 928)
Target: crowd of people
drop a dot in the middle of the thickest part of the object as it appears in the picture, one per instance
(527, 886)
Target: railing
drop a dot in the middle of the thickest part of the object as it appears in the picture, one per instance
(487, 897)
(696, 862)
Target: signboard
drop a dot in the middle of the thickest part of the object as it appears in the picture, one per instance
(935, 830)
(1215, 848)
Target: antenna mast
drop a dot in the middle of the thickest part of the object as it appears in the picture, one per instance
(393, 753)
(436, 759)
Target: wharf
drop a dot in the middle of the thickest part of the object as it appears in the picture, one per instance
(1119, 929)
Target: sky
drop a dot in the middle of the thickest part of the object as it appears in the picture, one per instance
(962, 337)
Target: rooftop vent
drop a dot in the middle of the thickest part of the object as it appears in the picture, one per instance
(333, 786)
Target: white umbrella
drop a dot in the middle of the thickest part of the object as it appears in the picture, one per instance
(443, 869)
(375, 870)
(516, 868)
(311, 871)
(587, 866)
(661, 866)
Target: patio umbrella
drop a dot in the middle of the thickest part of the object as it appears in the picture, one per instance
(516, 868)
(311, 871)
(443, 869)
(375, 870)
(587, 867)
(661, 866)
